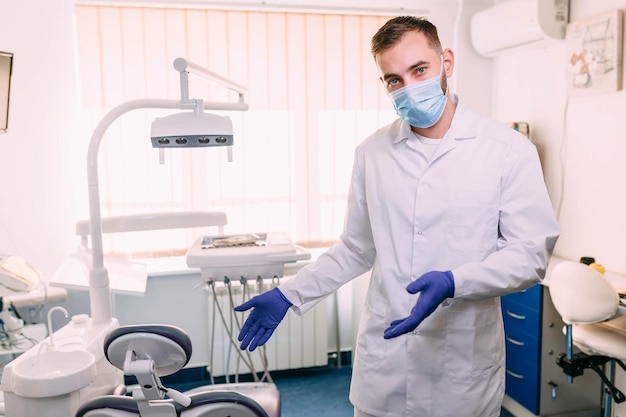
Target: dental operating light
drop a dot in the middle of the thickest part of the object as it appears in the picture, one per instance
(193, 128)
(196, 128)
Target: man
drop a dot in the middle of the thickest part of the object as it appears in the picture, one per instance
(450, 211)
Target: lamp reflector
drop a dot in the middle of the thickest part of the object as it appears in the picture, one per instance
(188, 130)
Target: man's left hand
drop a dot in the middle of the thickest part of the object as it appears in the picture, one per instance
(435, 287)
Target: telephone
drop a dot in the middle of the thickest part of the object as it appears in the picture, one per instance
(17, 275)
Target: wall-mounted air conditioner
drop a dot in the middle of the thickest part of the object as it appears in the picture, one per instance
(511, 24)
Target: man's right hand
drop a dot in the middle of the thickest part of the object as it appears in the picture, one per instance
(268, 311)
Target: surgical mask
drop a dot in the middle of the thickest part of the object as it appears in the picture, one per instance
(420, 104)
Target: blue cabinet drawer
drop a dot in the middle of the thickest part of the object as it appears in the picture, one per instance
(522, 384)
(520, 317)
(530, 297)
(521, 347)
(522, 313)
(522, 368)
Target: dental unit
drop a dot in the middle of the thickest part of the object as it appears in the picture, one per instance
(72, 367)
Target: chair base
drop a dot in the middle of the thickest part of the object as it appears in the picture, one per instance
(576, 366)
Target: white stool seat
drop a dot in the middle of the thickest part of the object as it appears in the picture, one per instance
(606, 339)
(588, 305)
(585, 299)
(581, 294)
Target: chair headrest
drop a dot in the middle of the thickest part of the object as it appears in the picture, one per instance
(168, 346)
(580, 294)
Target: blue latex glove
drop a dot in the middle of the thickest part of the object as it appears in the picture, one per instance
(269, 309)
(435, 286)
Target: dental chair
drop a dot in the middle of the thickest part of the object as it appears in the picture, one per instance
(588, 305)
(151, 351)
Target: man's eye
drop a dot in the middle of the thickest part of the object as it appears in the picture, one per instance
(421, 70)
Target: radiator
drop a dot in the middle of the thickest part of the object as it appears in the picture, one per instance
(298, 342)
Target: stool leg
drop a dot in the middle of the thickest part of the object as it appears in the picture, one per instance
(608, 398)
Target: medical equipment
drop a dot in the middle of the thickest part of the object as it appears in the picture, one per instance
(198, 128)
(18, 275)
(166, 131)
(55, 380)
(227, 264)
(99, 287)
(59, 373)
(21, 285)
(251, 256)
(12, 325)
(588, 305)
(153, 221)
(301, 342)
(149, 352)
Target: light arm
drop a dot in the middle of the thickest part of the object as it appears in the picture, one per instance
(99, 291)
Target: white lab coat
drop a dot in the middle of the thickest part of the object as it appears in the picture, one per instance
(480, 209)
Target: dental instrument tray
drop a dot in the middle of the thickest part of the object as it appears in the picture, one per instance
(246, 255)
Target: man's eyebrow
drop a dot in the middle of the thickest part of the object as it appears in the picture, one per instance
(387, 77)
(418, 64)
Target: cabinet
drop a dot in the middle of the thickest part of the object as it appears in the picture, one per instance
(534, 382)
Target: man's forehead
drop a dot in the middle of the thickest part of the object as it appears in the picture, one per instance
(405, 57)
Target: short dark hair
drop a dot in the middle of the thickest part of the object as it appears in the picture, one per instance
(391, 32)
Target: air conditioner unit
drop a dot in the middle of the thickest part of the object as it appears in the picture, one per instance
(512, 24)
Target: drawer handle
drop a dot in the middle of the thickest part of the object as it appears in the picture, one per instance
(515, 342)
(515, 316)
(514, 375)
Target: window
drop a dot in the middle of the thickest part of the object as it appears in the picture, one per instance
(314, 95)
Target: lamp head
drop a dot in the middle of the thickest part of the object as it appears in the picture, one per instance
(192, 129)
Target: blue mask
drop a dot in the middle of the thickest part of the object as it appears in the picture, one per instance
(420, 104)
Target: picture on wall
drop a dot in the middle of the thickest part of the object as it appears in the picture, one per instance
(6, 64)
(594, 54)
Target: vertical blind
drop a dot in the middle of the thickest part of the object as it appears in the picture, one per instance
(313, 95)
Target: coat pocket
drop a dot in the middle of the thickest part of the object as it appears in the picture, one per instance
(472, 219)
(474, 340)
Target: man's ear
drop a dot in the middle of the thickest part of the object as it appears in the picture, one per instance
(448, 62)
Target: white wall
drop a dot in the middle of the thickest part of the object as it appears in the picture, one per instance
(472, 78)
(39, 154)
(531, 86)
